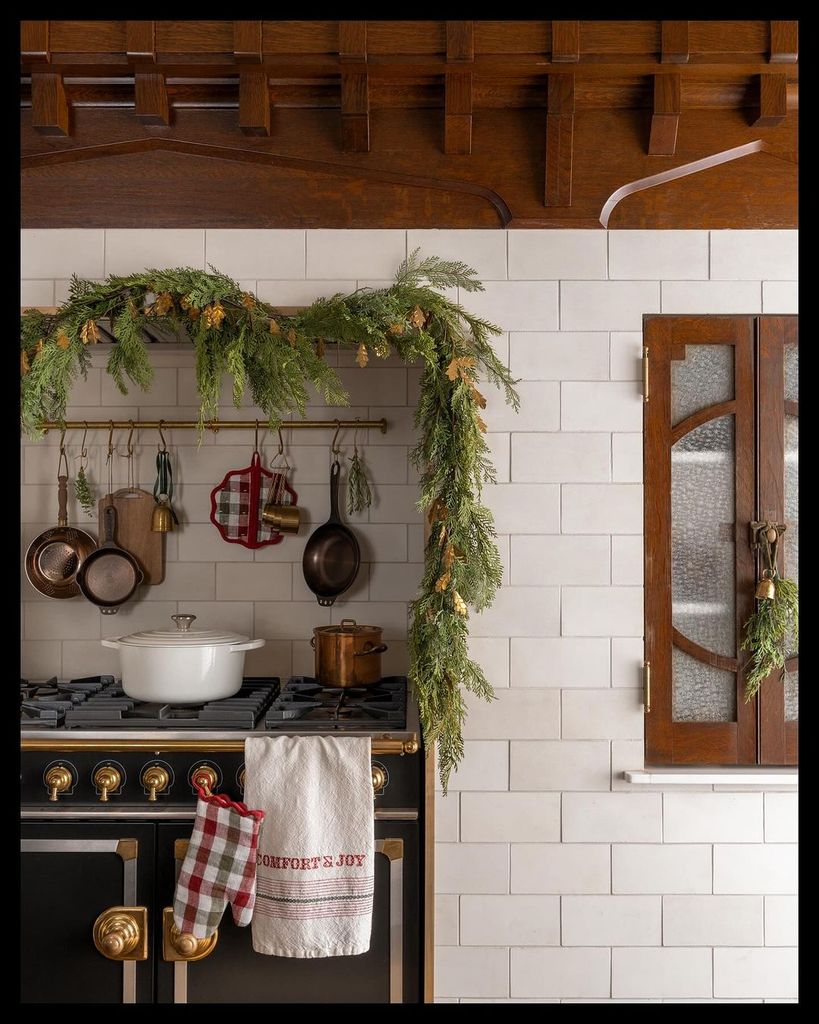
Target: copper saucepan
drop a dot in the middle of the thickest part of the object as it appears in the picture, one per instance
(348, 654)
(110, 575)
(54, 559)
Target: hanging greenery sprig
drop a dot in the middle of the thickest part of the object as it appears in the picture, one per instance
(278, 359)
(359, 494)
(771, 633)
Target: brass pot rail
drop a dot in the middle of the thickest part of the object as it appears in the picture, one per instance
(380, 745)
(214, 425)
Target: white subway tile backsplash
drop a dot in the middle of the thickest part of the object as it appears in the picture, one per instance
(484, 767)
(561, 458)
(130, 251)
(558, 765)
(447, 818)
(712, 920)
(627, 458)
(626, 355)
(510, 817)
(36, 293)
(201, 542)
(539, 408)
(601, 405)
(640, 972)
(492, 654)
(756, 972)
(626, 661)
(627, 561)
(395, 503)
(748, 255)
(602, 508)
(607, 305)
(560, 662)
(86, 657)
(755, 868)
(480, 971)
(520, 611)
(610, 920)
(560, 972)
(556, 255)
(395, 582)
(281, 292)
(78, 620)
(552, 355)
(282, 620)
(656, 868)
(712, 297)
(259, 581)
(712, 817)
(183, 579)
(610, 714)
(514, 714)
(524, 508)
(612, 818)
(50, 253)
(260, 253)
(560, 868)
(161, 392)
(781, 920)
(40, 659)
(602, 611)
(471, 867)
(559, 559)
(781, 818)
(658, 255)
(483, 250)
(517, 305)
(446, 921)
(337, 253)
(510, 920)
(780, 297)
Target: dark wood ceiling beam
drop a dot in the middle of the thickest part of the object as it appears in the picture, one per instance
(34, 37)
(460, 40)
(355, 87)
(247, 42)
(773, 100)
(49, 106)
(254, 102)
(140, 42)
(784, 42)
(458, 113)
(674, 43)
(665, 118)
(151, 98)
(559, 139)
(565, 42)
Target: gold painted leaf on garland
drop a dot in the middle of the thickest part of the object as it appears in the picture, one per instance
(361, 356)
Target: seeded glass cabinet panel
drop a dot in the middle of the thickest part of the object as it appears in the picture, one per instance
(721, 431)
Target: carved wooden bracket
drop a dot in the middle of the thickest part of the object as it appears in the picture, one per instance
(254, 102)
(49, 107)
(559, 139)
(151, 98)
(665, 119)
(355, 87)
(773, 99)
(565, 42)
(140, 41)
(674, 42)
(784, 42)
(247, 42)
(34, 41)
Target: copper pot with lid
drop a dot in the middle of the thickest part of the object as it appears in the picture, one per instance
(348, 654)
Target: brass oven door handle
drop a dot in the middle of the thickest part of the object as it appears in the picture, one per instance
(183, 946)
(121, 933)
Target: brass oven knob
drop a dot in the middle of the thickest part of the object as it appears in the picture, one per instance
(121, 933)
(242, 777)
(379, 777)
(58, 779)
(155, 779)
(205, 776)
(107, 779)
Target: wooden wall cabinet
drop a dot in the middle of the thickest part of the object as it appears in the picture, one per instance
(721, 437)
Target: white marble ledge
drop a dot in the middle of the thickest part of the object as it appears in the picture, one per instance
(727, 776)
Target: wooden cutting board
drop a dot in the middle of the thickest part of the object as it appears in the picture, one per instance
(134, 511)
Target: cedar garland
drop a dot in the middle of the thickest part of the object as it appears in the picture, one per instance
(275, 357)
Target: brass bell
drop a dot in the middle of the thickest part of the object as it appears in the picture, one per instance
(162, 519)
(765, 589)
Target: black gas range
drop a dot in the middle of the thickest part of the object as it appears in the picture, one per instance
(108, 798)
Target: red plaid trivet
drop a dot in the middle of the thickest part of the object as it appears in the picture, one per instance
(219, 867)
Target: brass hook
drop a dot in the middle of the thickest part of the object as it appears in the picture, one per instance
(110, 439)
(62, 459)
(164, 447)
(256, 440)
(281, 442)
(83, 449)
(333, 447)
(130, 445)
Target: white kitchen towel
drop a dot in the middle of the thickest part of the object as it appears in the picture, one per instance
(314, 865)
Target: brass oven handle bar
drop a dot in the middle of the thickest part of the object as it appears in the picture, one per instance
(213, 425)
(121, 933)
(383, 745)
(379, 778)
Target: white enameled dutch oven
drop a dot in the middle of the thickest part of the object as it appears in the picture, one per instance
(182, 665)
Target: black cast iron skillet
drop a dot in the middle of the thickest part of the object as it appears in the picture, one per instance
(110, 575)
(331, 556)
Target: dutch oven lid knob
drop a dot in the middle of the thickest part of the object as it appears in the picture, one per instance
(183, 622)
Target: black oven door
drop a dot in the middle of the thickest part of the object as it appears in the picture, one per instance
(86, 892)
(230, 971)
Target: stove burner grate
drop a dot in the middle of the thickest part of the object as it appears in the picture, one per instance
(321, 709)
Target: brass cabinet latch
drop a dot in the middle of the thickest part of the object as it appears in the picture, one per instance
(647, 687)
(183, 946)
(645, 373)
(121, 933)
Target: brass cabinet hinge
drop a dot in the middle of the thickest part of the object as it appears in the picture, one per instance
(647, 687)
(645, 373)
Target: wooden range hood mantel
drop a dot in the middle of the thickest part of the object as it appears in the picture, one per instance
(407, 123)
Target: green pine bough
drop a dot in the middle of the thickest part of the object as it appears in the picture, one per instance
(277, 358)
(770, 632)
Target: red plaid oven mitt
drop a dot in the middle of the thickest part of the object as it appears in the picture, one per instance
(219, 867)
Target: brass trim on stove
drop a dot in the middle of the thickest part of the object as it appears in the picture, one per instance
(127, 849)
(380, 745)
(182, 946)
